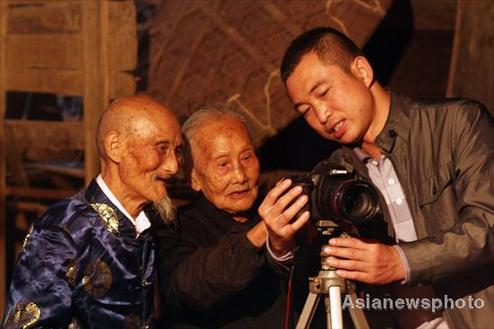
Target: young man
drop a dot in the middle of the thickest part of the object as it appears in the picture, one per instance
(433, 164)
(88, 262)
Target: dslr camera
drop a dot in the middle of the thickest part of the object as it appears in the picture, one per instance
(336, 194)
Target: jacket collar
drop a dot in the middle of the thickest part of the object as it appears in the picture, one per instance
(397, 123)
(114, 220)
(222, 218)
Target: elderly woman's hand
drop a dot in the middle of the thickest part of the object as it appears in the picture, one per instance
(278, 211)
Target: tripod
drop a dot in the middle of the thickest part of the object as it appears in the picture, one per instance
(331, 286)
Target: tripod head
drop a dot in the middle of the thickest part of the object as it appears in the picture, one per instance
(330, 285)
(327, 275)
(328, 229)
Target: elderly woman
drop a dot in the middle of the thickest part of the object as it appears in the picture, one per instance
(214, 269)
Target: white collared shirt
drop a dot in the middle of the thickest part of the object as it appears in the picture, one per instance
(141, 222)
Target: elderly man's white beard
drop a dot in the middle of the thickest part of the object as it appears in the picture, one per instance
(165, 209)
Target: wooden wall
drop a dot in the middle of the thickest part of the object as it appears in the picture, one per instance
(83, 48)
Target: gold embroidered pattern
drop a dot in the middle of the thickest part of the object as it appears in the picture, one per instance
(97, 279)
(72, 273)
(108, 215)
(27, 236)
(23, 315)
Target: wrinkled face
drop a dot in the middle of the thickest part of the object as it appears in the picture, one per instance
(226, 168)
(336, 104)
(152, 155)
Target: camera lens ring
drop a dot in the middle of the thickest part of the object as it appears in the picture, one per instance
(355, 201)
(359, 202)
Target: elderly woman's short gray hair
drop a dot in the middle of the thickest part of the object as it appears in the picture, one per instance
(191, 126)
(214, 112)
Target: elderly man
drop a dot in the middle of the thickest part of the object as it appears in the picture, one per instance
(88, 262)
(215, 272)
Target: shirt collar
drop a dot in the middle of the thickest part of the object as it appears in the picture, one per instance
(364, 157)
(361, 154)
(141, 222)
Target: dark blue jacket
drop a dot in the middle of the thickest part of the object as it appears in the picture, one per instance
(83, 264)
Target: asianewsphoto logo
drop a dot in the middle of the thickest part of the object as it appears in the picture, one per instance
(434, 304)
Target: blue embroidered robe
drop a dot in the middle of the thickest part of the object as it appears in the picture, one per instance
(83, 266)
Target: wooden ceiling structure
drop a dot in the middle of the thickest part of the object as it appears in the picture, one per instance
(224, 51)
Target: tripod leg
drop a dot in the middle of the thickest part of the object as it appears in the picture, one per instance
(357, 314)
(327, 309)
(308, 311)
(335, 308)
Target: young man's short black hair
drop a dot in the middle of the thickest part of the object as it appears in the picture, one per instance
(332, 47)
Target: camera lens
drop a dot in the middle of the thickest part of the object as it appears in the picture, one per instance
(350, 200)
(359, 202)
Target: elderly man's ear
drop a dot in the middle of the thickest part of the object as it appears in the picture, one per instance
(114, 146)
(194, 182)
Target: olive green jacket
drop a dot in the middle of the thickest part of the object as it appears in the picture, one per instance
(443, 154)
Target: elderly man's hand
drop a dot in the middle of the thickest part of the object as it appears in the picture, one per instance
(277, 210)
(369, 262)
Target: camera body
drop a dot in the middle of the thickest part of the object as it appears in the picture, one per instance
(336, 194)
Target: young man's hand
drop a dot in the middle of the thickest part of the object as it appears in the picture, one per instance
(369, 262)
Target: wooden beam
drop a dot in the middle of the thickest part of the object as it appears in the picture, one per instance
(44, 17)
(3, 104)
(96, 77)
(55, 135)
(122, 48)
(45, 51)
(39, 193)
(50, 63)
(45, 80)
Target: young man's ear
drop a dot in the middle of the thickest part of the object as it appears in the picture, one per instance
(114, 146)
(194, 181)
(362, 69)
